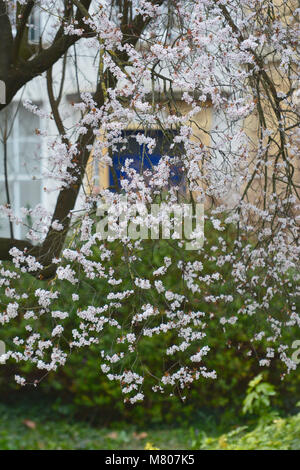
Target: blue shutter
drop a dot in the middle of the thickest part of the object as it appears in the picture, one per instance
(142, 160)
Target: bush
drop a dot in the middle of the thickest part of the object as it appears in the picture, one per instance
(281, 434)
(82, 388)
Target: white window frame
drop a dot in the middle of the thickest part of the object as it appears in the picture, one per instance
(15, 178)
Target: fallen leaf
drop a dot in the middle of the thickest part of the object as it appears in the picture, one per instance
(141, 435)
(29, 424)
(112, 435)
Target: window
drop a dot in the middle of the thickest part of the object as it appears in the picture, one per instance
(142, 159)
(34, 27)
(23, 150)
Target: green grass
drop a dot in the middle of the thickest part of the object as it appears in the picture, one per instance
(31, 428)
(23, 427)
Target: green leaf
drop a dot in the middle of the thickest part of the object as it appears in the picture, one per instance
(254, 382)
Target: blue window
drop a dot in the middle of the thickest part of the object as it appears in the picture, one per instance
(142, 159)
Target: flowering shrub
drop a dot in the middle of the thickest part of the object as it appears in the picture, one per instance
(238, 57)
(81, 383)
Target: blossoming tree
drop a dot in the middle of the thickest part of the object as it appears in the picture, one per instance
(159, 65)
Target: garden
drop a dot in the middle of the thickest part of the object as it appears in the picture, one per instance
(149, 225)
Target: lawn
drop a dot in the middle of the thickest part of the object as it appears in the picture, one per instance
(30, 429)
(25, 428)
